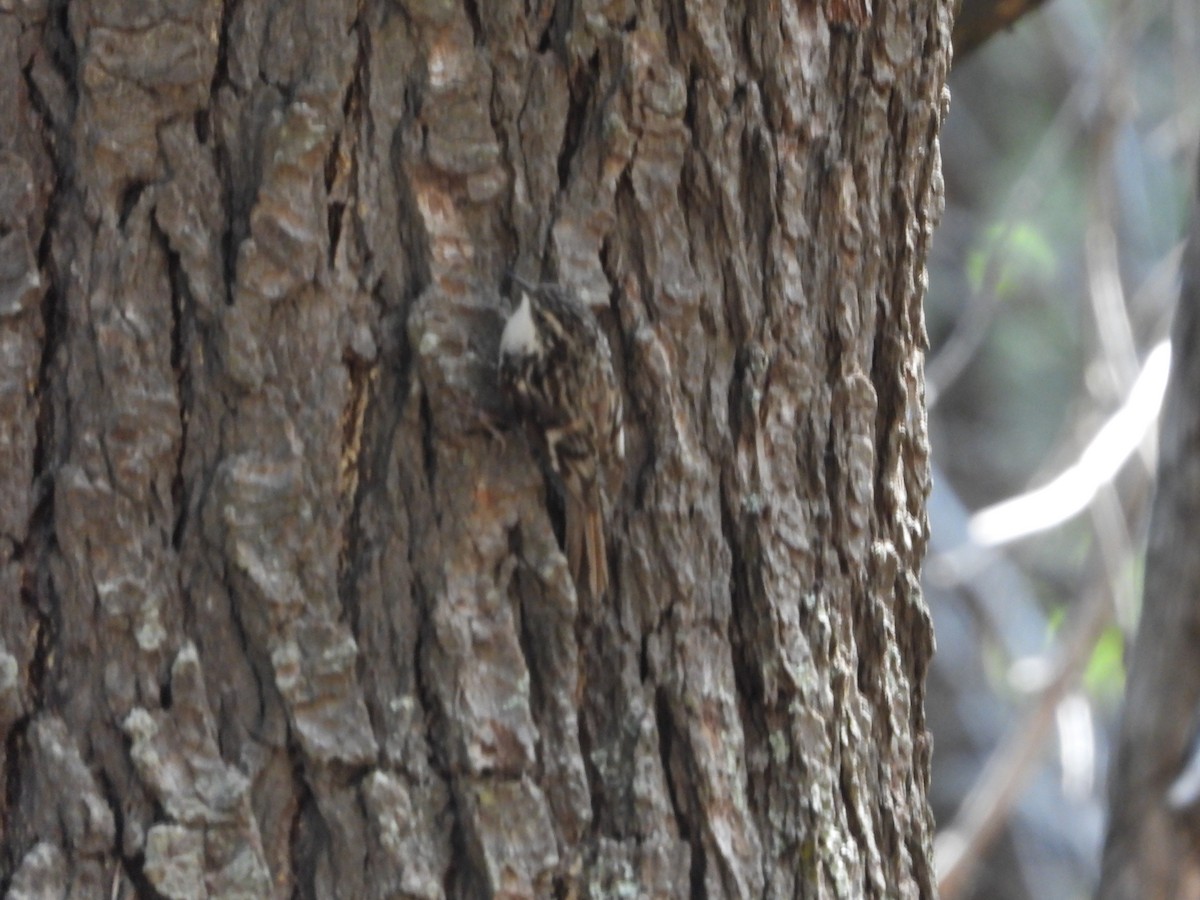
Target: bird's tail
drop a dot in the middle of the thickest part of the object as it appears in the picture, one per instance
(586, 554)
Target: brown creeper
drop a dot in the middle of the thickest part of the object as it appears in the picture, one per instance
(556, 366)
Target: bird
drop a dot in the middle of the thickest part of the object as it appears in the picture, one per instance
(556, 368)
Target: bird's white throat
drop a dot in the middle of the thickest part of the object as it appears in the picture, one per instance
(520, 337)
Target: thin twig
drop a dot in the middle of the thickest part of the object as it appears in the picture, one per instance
(986, 808)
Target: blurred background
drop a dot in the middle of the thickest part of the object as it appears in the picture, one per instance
(1069, 157)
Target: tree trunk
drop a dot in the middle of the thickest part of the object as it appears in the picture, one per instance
(1150, 851)
(286, 607)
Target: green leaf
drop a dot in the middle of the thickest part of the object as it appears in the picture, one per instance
(1010, 254)
(1104, 676)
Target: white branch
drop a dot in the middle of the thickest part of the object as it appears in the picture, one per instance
(1074, 489)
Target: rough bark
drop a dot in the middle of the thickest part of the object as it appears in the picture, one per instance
(1150, 850)
(285, 615)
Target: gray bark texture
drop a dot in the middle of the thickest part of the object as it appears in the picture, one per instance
(1151, 849)
(285, 610)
